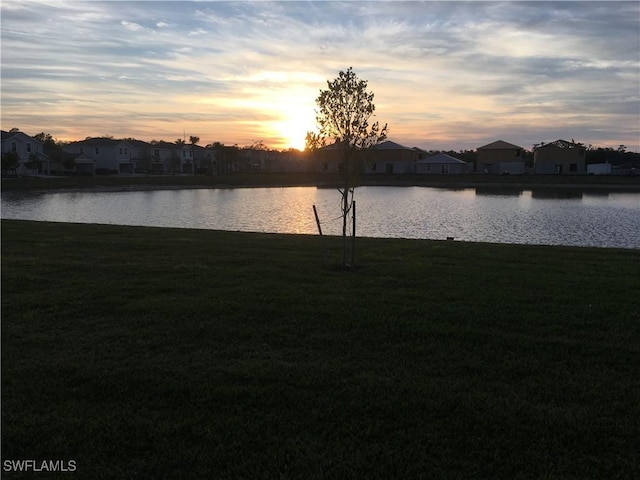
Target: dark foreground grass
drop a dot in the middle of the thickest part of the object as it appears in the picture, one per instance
(166, 353)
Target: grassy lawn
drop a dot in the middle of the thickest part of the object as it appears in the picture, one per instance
(155, 353)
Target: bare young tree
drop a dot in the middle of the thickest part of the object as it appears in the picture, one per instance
(344, 111)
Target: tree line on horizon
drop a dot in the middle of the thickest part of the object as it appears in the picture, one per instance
(53, 148)
(615, 156)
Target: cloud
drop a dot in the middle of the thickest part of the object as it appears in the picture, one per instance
(441, 71)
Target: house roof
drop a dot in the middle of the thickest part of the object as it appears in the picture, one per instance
(137, 143)
(7, 135)
(389, 145)
(99, 141)
(499, 145)
(440, 158)
(561, 144)
(163, 144)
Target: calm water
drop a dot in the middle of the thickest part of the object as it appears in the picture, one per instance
(546, 217)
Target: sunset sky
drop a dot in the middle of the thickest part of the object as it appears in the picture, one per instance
(446, 75)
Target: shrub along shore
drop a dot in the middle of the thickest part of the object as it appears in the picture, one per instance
(616, 183)
(172, 353)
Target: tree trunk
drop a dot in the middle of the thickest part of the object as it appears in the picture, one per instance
(345, 207)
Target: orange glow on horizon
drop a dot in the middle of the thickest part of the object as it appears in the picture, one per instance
(293, 127)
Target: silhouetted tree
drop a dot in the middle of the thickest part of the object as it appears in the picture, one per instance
(10, 162)
(259, 145)
(33, 163)
(343, 114)
(193, 141)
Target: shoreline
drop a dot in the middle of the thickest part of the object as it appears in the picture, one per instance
(272, 180)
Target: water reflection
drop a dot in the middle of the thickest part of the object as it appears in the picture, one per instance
(551, 193)
(499, 191)
(541, 216)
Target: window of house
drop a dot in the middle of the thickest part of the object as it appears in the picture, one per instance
(389, 167)
(156, 152)
(97, 151)
(120, 150)
(373, 166)
(573, 167)
(126, 151)
(81, 151)
(445, 169)
(184, 154)
(517, 153)
(341, 167)
(14, 147)
(28, 147)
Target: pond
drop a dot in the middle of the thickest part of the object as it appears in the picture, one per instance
(550, 217)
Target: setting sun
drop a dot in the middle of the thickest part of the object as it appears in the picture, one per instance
(296, 122)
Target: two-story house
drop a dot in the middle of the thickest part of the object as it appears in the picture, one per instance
(500, 157)
(27, 151)
(110, 156)
(560, 157)
(391, 157)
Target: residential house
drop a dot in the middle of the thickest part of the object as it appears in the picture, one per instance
(141, 155)
(391, 157)
(255, 160)
(165, 157)
(192, 158)
(111, 156)
(500, 157)
(559, 157)
(330, 158)
(442, 164)
(27, 149)
(291, 160)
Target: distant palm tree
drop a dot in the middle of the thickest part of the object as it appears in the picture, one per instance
(193, 141)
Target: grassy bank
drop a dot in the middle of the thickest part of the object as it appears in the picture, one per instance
(167, 353)
(320, 179)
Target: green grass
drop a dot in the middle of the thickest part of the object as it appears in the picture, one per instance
(167, 353)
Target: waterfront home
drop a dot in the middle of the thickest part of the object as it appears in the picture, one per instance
(250, 159)
(165, 157)
(329, 159)
(391, 157)
(559, 157)
(111, 156)
(500, 157)
(27, 151)
(442, 164)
